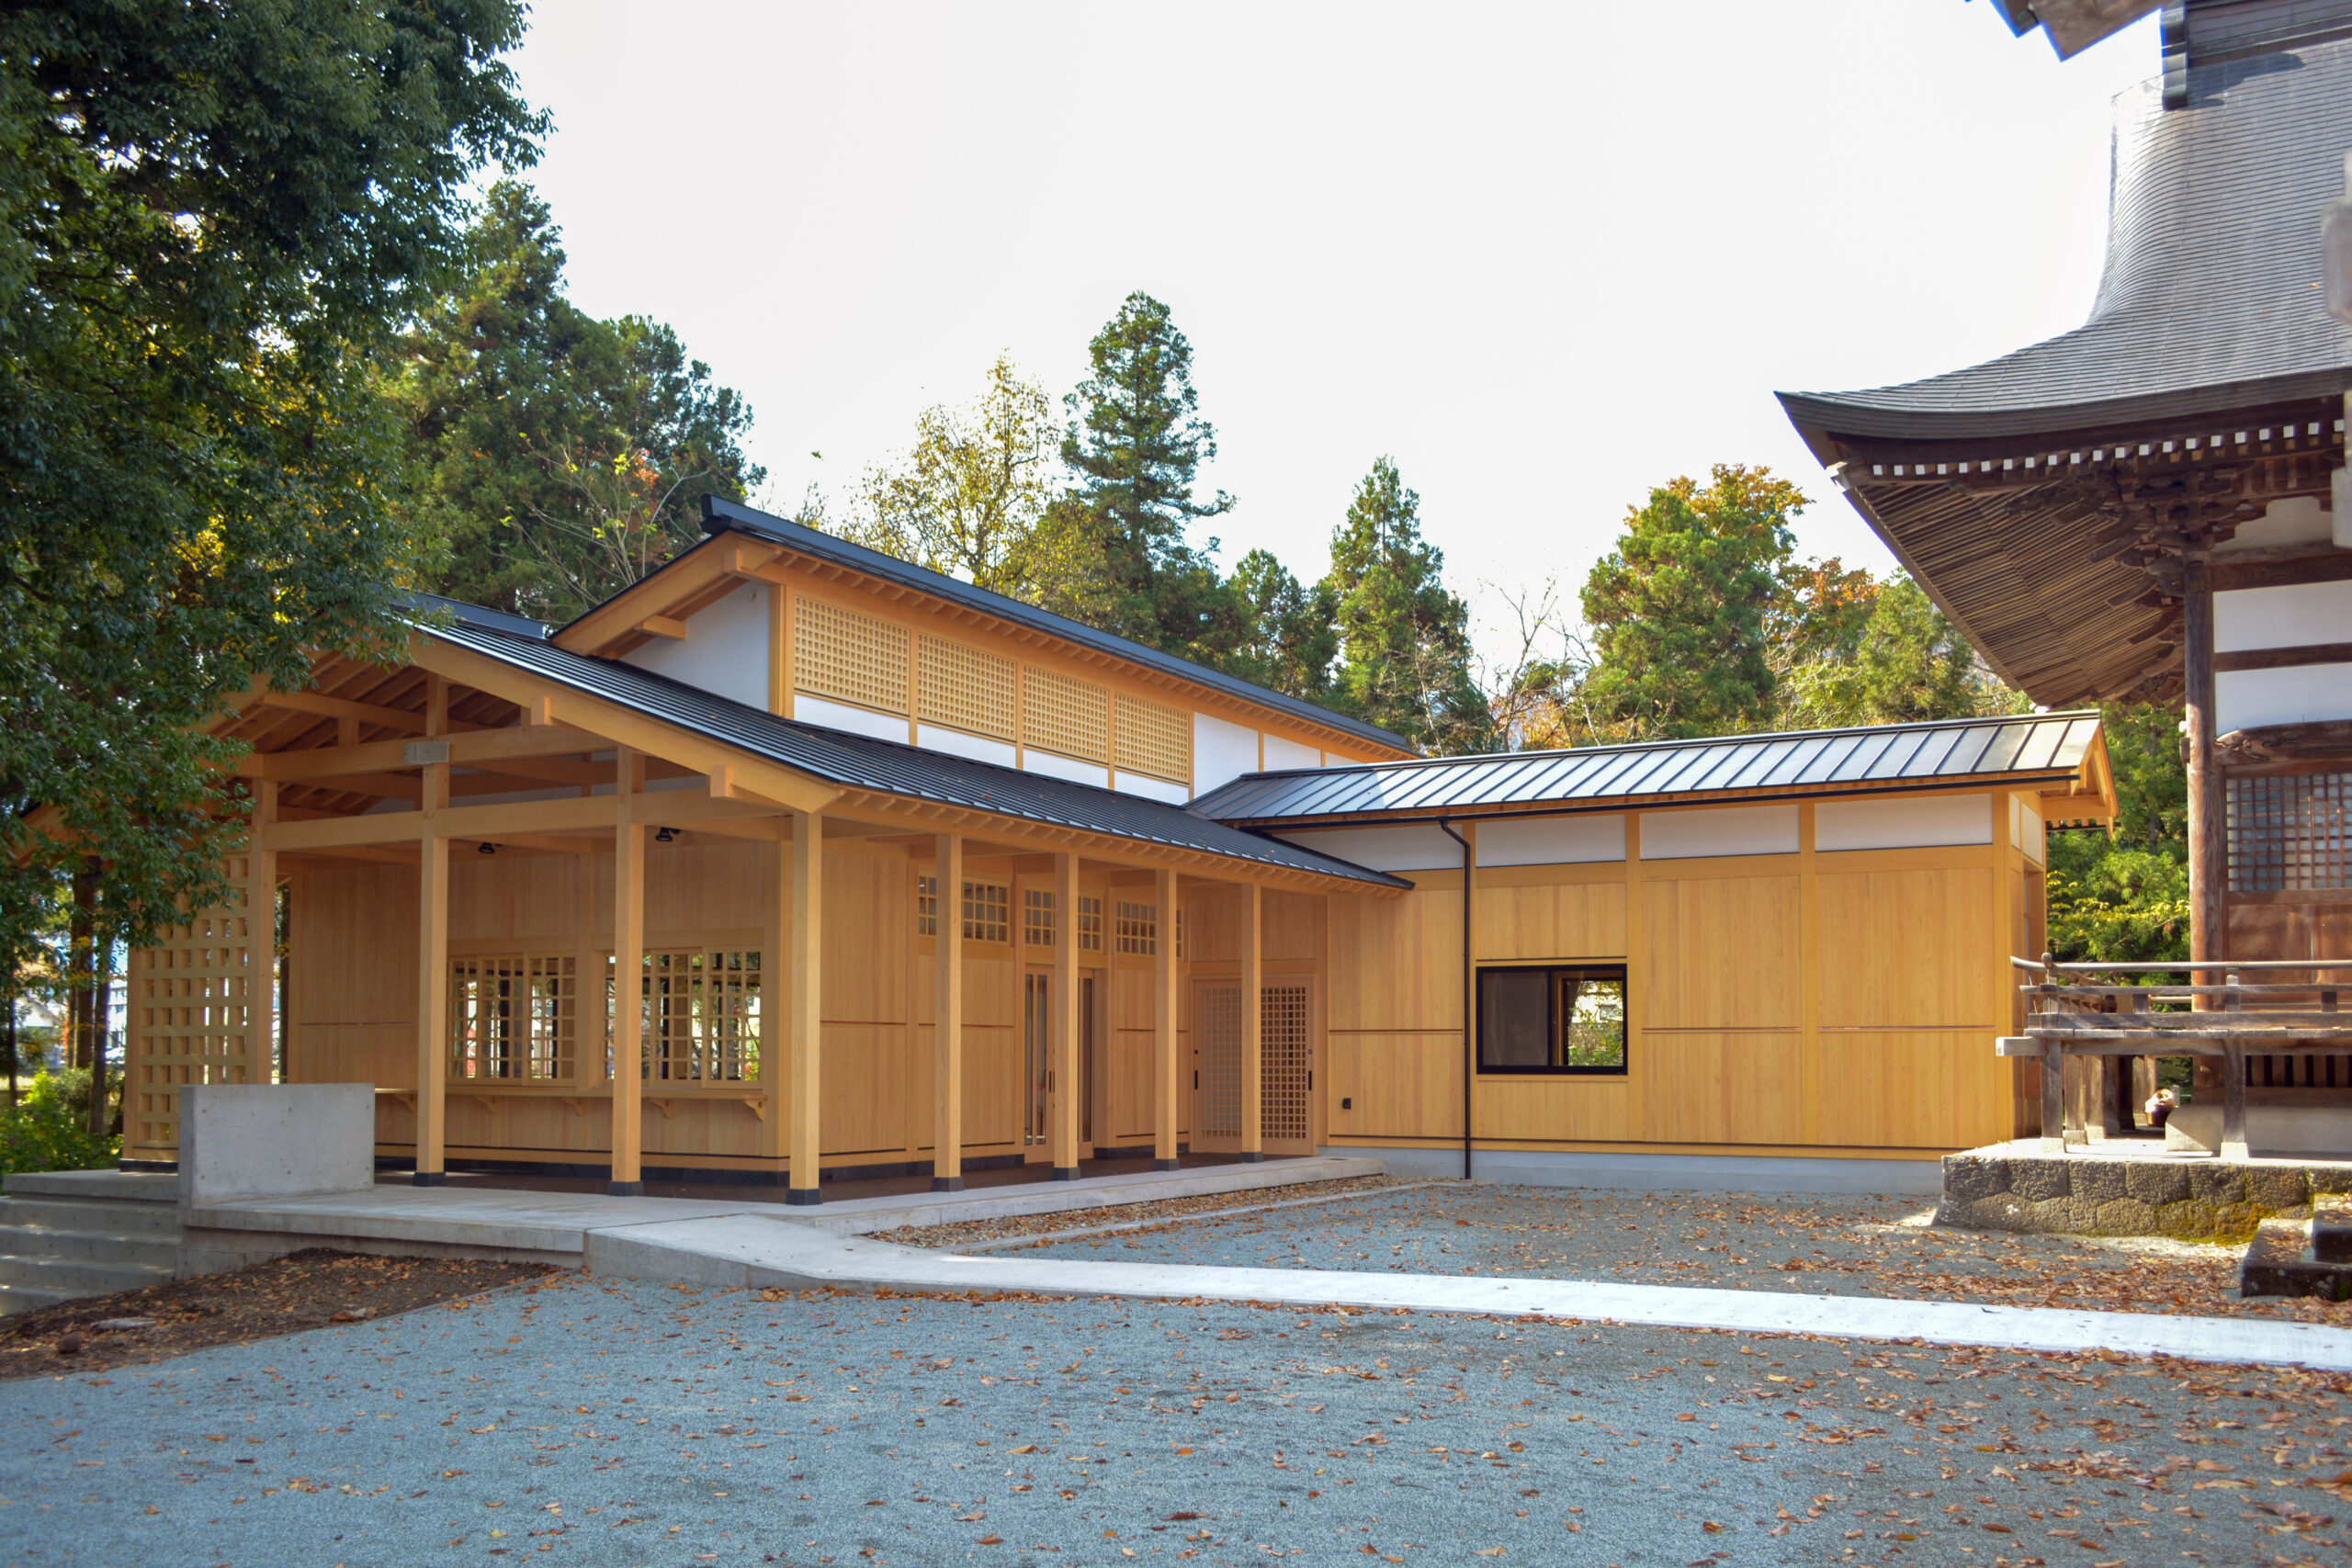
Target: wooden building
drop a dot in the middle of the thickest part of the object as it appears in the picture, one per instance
(869, 871)
(2152, 507)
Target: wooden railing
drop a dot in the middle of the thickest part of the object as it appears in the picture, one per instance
(2236, 1020)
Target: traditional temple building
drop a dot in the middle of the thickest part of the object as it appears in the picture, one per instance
(796, 861)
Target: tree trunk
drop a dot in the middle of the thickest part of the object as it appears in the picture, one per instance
(90, 973)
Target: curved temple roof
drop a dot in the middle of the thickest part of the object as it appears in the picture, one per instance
(855, 761)
(1880, 758)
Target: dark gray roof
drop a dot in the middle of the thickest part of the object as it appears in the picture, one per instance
(856, 762)
(722, 517)
(2210, 299)
(1894, 757)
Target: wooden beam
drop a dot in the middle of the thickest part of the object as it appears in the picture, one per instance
(1253, 1025)
(628, 983)
(472, 748)
(661, 626)
(652, 597)
(342, 707)
(1062, 1074)
(947, 1070)
(807, 970)
(1167, 1079)
(2319, 741)
(2284, 658)
(514, 819)
(2320, 566)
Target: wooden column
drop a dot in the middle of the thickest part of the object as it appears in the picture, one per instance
(629, 987)
(808, 1002)
(1253, 1025)
(1062, 1077)
(432, 953)
(947, 1069)
(2207, 847)
(1167, 1077)
(261, 953)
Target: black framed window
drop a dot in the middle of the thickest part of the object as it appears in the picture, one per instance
(1553, 1018)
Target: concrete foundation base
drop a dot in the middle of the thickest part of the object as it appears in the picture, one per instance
(2015, 1187)
(2305, 1132)
(1667, 1173)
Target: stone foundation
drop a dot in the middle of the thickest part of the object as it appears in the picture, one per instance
(2010, 1189)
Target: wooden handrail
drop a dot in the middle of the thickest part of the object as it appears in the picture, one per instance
(2248, 964)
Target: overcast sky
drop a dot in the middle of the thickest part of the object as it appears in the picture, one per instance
(1546, 256)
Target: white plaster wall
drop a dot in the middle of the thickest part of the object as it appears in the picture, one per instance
(1221, 753)
(856, 720)
(725, 651)
(2292, 616)
(1727, 831)
(1906, 822)
(2298, 520)
(2033, 835)
(955, 742)
(1035, 761)
(1156, 789)
(1281, 753)
(1419, 847)
(2249, 698)
(1551, 841)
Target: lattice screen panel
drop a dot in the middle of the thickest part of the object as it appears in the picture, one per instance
(514, 1015)
(1067, 716)
(2291, 832)
(1155, 739)
(1282, 1060)
(966, 688)
(850, 657)
(701, 1015)
(1219, 1030)
(200, 1007)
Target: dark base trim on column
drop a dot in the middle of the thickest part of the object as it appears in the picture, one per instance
(1168, 1165)
(430, 1178)
(625, 1188)
(1252, 1156)
(948, 1184)
(1065, 1173)
(803, 1197)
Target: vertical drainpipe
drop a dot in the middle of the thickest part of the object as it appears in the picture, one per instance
(1469, 996)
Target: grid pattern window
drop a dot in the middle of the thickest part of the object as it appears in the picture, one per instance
(988, 909)
(513, 1017)
(1090, 924)
(1179, 931)
(1138, 927)
(1070, 718)
(926, 906)
(701, 1015)
(2291, 832)
(1155, 739)
(1551, 1019)
(965, 688)
(849, 657)
(1036, 917)
(1285, 1062)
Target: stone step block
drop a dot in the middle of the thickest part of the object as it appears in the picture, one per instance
(89, 1247)
(2332, 1228)
(18, 1299)
(92, 1214)
(2279, 1261)
(70, 1276)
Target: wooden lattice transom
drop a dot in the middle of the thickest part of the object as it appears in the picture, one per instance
(1155, 739)
(1072, 718)
(966, 688)
(851, 658)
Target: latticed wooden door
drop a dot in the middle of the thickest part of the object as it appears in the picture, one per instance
(1287, 1062)
(1216, 1040)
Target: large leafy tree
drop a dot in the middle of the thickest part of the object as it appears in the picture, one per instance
(1135, 446)
(1290, 629)
(1680, 611)
(2126, 896)
(1405, 656)
(1881, 653)
(211, 217)
(558, 457)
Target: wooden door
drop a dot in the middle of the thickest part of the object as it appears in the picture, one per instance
(1286, 1047)
(1216, 1041)
(1036, 1062)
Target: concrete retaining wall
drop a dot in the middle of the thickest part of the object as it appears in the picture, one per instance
(1667, 1173)
(2195, 1200)
(239, 1142)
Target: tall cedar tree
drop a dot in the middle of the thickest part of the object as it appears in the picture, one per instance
(1290, 630)
(211, 217)
(1879, 653)
(1681, 610)
(1136, 444)
(1405, 657)
(557, 458)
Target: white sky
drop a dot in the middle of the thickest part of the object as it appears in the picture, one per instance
(1546, 256)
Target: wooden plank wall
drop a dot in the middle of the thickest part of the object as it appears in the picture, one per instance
(1831, 1002)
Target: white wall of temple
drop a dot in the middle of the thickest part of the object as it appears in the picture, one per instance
(725, 652)
(2303, 615)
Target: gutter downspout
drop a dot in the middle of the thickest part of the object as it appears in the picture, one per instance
(1469, 996)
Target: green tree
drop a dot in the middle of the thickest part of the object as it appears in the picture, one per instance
(210, 218)
(2125, 896)
(972, 498)
(556, 457)
(1679, 612)
(1405, 655)
(1136, 445)
(1904, 661)
(1290, 633)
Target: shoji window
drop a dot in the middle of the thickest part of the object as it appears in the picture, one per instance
(1089, 925)
(701, 1015)
(986, 912)
(1138, 927)
(513, 1016)
(1036, 917)
(2291, 832)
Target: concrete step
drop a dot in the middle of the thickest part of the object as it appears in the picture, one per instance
(18, 1299)
(70, 1276)
(88, 1215)
(144, 1249)
(2332, 1228)
(2281, 1262)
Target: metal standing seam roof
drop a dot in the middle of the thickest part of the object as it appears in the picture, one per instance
(721, 517)
(1906, 756)
(856, 762)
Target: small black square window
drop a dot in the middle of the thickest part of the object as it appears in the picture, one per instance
(1553, 1019)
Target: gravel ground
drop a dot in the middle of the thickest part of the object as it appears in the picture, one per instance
(1819, 1245)
(605, 1422)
